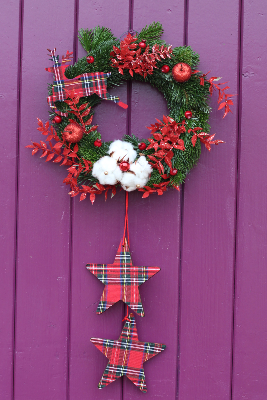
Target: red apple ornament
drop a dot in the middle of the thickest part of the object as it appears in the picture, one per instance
(181, 72)
(73, 132)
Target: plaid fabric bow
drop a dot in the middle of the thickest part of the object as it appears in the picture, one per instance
(121, 280)
(83, 85)
(127, 356)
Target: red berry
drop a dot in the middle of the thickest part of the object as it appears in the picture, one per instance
(124, 166)
(112, 54)
(165, 69)
(97, 143)
(90, 59)
(173, 171)
(57, 119)
(142, 45)
(142, 146)
(188, 114)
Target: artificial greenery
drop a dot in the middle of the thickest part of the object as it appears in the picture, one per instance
(181, 97)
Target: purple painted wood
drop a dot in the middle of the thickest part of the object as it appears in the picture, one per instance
(43, 228)
(56, 297)
(97, 231)
(250, 347)
(8, 106)
(209, 220)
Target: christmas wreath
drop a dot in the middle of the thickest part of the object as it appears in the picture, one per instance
(150, 165)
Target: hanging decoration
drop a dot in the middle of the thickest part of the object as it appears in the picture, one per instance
(122, 280)
(148, 165)
(174, 147)
(127, 355)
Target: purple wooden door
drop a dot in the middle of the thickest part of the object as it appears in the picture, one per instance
(208, 303)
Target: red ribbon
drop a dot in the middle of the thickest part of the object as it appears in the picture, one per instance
(126, 222)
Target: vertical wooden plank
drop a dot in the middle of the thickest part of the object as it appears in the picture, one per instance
(155, 223)
(209, 220)
(97, 231)
(250, 329)
(10, 41)
(43, 236)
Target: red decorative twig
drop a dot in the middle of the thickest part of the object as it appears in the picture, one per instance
(138, 61)
(223, 98)
(166, 136)
(80, 112)
(204, 137)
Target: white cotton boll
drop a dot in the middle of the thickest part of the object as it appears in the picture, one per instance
(105, 164)
(120, 154)
(146, 167)
(128, 188)
(141, 168)
(118, 173)
(131, 181)
(136, 168)
(116, 145)
(109, 179)
(128, 179)
(142, 161)
(127, 146)
(132, 155)
(122, 151)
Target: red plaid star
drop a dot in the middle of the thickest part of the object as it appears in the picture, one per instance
(121, 280)
(127, 355)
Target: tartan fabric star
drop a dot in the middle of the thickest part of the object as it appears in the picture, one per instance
(121, 280)
(127, 355)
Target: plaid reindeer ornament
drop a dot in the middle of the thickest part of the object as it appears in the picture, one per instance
(83, 85)
(127, 355)
(122, 280)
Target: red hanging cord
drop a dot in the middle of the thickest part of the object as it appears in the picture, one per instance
(127, 315)
(126, 231)
(126, 222)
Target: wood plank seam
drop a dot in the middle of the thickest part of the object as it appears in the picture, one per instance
(182, 195)
(75, 58)
(18, 130)
(237, 180)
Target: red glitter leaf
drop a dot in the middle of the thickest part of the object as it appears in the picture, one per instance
(161, 167)
(35, 151)
(168, 161)
(194, 140)
(146, 194)
(49, 157)
(92, 198)
(86, 112)
(76, 148)
(44, 154)
(58, 159)
(83, 196)
(221, 106)
(58, 145)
